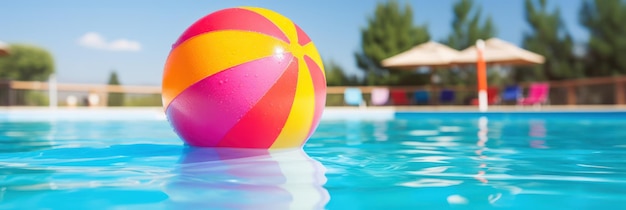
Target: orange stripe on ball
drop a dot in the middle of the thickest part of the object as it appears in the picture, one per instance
(209, 53)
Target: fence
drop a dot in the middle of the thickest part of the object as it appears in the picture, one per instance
(588, 91)
(607, 90)
(604, 90)
(33, 93)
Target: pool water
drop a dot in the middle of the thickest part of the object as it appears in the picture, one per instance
(410, 160)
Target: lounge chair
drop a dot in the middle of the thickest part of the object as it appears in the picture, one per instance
(537, 94)
(493, 96)
(511, 93)
(399, 97)
(421, 97)
(353, 97)
(447, 96)
(380, 96)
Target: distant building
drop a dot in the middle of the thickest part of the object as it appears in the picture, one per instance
(4, 49)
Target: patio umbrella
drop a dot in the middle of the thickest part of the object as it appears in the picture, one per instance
(429, 54)
(4, 49)
(497, 51)
(494, 51)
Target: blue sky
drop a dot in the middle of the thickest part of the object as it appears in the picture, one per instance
(88, 39)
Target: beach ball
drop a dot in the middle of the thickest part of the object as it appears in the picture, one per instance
(245, 78)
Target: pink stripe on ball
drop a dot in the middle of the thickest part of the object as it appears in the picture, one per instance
(204, 112)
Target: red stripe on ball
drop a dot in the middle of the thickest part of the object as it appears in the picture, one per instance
(260, 127)
(303, 39)
(232, 19)
(319, 85)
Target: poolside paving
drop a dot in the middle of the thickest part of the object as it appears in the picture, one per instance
(421, 108)
(496, 108)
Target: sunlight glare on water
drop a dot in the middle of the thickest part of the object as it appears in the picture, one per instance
(440, 161)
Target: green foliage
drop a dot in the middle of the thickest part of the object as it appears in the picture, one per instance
(467, 26)
(396, 78)
(334, 100)
(144, 100)
(26, 62)
(389, 31)
(35, 98)
(29, 98)
(4, 93)
(548, 37)
(336, 76)
(605, 21)
(115, 99)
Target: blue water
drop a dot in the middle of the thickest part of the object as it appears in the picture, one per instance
(124, 160)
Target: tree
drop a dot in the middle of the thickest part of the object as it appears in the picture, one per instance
(548, 37)
(336, 76)
(389, 31)
(115, 99)
(26, 62)
(607, 42)
(467, 26)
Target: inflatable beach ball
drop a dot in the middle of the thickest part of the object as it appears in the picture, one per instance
(244, 77)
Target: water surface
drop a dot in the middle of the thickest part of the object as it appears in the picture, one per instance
(416, 160)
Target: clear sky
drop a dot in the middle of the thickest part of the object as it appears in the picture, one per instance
(89, 39)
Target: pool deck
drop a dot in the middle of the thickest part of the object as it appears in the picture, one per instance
(388, 112)
(353, 113)
(446, 108)
(501, 108)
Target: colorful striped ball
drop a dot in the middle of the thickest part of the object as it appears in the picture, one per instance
(246, 78)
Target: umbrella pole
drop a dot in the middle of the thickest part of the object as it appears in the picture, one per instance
(481, 73)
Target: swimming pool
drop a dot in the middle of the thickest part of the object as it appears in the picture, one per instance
(357, 159)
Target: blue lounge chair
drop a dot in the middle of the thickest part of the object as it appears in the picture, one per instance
(447, 96)
(421, 97)
(511, 93)
(353, 97)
